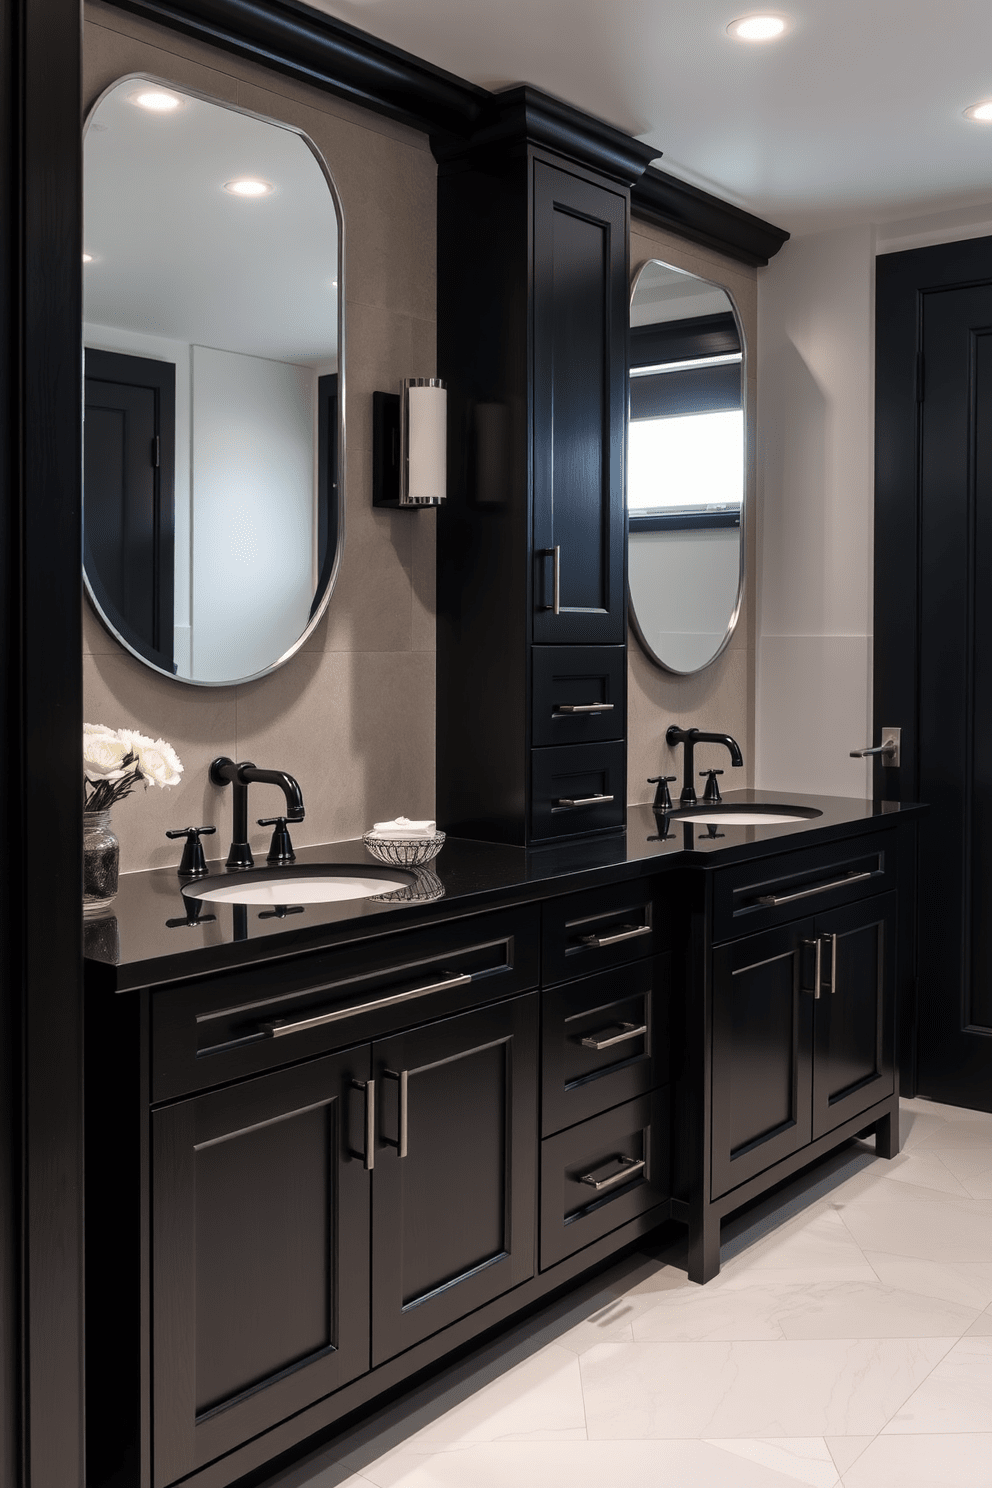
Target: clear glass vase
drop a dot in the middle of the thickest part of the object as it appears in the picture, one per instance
(101, 862)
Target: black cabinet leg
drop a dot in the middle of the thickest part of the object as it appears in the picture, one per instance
(887, 1134)
(704, 1245)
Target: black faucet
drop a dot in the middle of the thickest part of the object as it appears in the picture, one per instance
(689, 738)
(224, 771)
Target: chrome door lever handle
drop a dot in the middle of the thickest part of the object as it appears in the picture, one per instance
(890, 748)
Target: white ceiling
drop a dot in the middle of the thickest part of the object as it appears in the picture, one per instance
(854, 115)
(177, 256)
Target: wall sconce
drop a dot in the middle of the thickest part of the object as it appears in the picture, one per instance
(409, 442)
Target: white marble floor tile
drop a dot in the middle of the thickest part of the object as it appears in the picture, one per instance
(923, 1462)
(974, 1129)
(612, 1323)
(845, 1309)
(981, 1327)
(918, 1120)
(922, 1169)
(539, 1399)
(805, 1459)
(847, 1449)
(812, 1249)
(911, 1223)
(612, 1464)
(829, 1387)
(967, 1283)
(955, 1397)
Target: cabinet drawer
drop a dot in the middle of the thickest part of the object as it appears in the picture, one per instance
(625, 1153)
(582, 933)
(592, 777)
(605, 1041)
(592, 681)
(242, 1022)
(774, 890)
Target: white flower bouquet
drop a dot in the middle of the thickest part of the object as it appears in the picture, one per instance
(114, 760)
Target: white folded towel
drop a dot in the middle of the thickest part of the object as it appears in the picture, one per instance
(403, 828)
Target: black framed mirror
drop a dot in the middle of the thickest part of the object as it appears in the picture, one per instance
(686, 467)
(213, 513)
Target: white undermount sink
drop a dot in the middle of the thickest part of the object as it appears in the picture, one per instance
(729, 813)
(288, 886)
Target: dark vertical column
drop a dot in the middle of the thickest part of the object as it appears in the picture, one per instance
(40, 715)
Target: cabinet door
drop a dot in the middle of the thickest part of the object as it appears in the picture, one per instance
(762, 1030)
(260, 1256)
(580, 369)
(853, 1022)
(453, 1196)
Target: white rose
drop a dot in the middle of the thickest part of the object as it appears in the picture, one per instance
(157, 761)
(103, 755)
(100, 730)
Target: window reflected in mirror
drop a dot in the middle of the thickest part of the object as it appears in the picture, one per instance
(212, 427)
(685, 466)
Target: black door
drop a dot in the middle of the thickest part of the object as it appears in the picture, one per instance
(454, 1188)
(933, 630)
(260, 1256)
(129, 498)
(853, 1017)
(580, 366)
(761, 1077)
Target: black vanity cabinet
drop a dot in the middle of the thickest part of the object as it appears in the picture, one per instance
(532, 340)
(801, 1019)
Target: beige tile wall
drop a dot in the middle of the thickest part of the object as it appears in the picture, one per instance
(722, 696)
(352, 715)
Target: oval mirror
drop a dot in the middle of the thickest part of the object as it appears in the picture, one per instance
(213, 430)
(685, 467)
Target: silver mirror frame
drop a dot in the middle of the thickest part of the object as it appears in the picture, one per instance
(735, 615)
(319, 613)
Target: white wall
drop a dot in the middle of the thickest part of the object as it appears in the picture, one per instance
(816, 389)
(815, 523)
(683, 586)
(252, 510)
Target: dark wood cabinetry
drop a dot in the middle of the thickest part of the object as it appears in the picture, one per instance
(532, 340)
(801, 1022)
(259, 1256)
(454, 1180)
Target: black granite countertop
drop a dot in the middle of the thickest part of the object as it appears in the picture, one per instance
(148, 938)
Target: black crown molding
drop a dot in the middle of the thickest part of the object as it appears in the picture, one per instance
(673, 204)
(460, 117)
(526, 115)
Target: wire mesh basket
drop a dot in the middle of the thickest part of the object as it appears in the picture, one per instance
(405, 852)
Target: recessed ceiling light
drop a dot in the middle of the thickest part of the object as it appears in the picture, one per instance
(247, 186)
(758, 27)
(156, 101)
(981, 113)
(87, 258)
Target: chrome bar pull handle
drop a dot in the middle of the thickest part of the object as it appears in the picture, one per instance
(831, 940)
(318, 1020)
(402, 1078)
(772, 900)
(368, 1087)
(816, 946)
(584, 800)
(629, 1166)
(626, 932)
(627, 1031)
(556, 592)
(583, 708)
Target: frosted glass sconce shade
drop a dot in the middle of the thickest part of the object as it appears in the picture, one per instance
(409, 436)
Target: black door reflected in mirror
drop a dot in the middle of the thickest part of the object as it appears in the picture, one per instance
(686, 467)
(212, 511)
